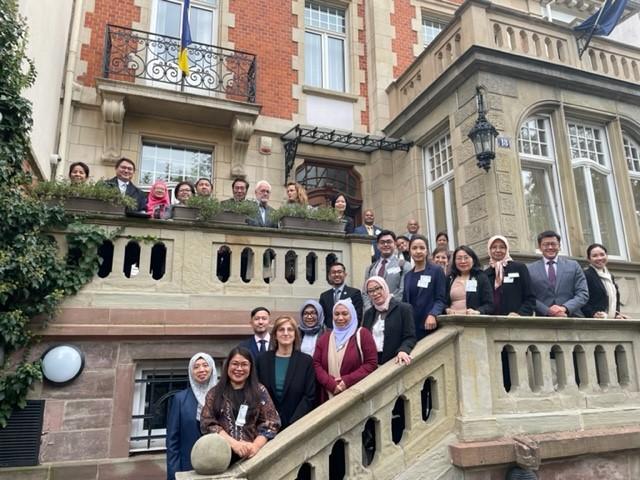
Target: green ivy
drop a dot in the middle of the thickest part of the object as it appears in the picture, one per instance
(34, 277)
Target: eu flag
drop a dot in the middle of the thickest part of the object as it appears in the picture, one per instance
(185, 40)
(604, 20)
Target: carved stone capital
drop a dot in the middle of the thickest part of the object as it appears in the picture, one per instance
(241, 130)
(113, 115)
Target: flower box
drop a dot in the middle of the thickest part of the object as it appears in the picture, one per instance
(230, 218)
(88, 205)
(180, 212)
(311, 225)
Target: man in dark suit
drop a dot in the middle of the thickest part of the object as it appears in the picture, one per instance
(558, 283)
(339, 291)
(259, 342)
(369, 229)
(125, 169)
(263, 193)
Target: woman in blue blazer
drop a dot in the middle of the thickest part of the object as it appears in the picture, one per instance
(183, 419)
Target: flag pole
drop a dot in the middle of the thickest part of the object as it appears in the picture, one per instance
(585, 44)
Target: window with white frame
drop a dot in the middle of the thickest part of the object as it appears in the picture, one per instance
(441, 192)
(632, 154)
(431, 27)
(539, 175)
(174, 163)
(154, 386)
(595, 188)
(325, 41)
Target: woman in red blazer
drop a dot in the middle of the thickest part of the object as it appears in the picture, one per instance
(344, 355)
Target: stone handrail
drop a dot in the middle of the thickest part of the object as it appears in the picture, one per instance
(219, 270)
(484, 24)
(426, 391)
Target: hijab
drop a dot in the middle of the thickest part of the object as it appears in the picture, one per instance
(343, 334)
(499, 266)
(200, 389)
(319, 323)
(384, 306)
(153, 201)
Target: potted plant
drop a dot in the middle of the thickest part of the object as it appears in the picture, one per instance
(301, 217)
(236, 212)
(84, 197)
(207, 209)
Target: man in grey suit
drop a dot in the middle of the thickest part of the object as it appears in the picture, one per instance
(558, 283)
(387, 266)
(263, 193)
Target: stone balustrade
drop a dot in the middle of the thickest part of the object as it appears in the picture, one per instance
(477, 378)
(375, 429)
(167, 273)
(491, 26)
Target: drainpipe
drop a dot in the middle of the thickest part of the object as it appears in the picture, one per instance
(72, 56)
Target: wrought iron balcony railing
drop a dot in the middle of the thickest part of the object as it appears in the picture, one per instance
(131, 54)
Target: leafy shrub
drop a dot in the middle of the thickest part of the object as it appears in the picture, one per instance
(53, 190)
(324, 214)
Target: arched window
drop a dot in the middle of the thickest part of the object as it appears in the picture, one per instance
(539, 173)
(632, 155)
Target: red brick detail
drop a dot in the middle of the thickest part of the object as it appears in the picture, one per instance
(117, 12)
(362, 65)
(405, 37)
(264, 28)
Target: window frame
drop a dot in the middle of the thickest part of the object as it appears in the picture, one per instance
(634, 173)
(324, 49)
(430, 17)
(549, 164)
(584, 166)
(445, 180)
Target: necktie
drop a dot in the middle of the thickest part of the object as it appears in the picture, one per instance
(336, 295)
(123, 188)
(382, 270)
(262, 346)
(552, 273)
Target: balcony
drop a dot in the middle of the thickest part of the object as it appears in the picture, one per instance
(141, 75)
(159, 278)
(502, 39)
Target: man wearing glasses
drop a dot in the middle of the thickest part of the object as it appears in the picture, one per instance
(558, 283)
(387, 266)
(339, 291)
(125, 169)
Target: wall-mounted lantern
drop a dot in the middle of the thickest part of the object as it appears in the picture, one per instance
(483, 135)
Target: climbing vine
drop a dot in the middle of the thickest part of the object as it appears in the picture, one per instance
(34, 276)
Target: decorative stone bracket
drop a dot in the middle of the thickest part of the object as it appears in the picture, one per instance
(241, 130)
(113, 115)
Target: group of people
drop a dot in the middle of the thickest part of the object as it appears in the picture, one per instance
(282, 372)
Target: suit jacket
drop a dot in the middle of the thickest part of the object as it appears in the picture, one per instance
(326, 301)
(571, 289)
(362, 230)
(354, 366)
(598, 298)
(481, 299)
(257, 220)
(399, 330)
(394, 276)
(428, 300)
(299, 395)
(250, 344)
(517, 295)
(132, 191)
(183, 430)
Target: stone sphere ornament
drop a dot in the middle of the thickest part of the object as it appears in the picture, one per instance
(210, 455)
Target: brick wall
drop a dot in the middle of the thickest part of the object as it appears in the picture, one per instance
(405, 37)
(118, 12)
(263, 27)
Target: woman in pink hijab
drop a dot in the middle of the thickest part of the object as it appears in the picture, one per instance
(158, 202)
(512, 293)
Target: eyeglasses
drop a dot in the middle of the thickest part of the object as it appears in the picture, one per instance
(243, 365)
(549, 244)
(463, 259)
(374, 290)
(309, 314)
(385, 242)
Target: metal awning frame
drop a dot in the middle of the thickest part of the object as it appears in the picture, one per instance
(336, 139)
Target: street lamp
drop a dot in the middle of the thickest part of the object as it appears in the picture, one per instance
(483, 135)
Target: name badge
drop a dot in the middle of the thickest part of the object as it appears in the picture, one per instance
(393, 270)
(424, 281)
(514, 275)
(376, 232)
(507, 280)
(241, 419)
(472, 285)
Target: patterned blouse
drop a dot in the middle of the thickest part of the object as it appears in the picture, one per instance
(263, 420)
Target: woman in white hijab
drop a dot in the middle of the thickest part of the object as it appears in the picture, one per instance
(183, 419)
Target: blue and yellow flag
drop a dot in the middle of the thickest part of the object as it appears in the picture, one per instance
(185, 40)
